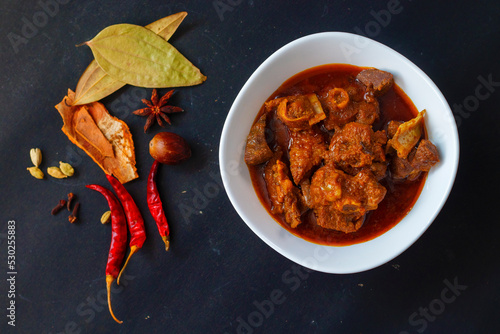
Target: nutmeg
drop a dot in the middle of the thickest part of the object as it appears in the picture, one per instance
(169, 148)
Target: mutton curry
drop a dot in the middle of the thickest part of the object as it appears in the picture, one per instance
(338, 154)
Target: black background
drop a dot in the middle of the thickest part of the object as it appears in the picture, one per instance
(218, 271)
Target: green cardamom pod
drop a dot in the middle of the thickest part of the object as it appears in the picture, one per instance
(66, 168)
(106, 217)
(36, 156)
(56, 172)
(137, 56)
(35, 172)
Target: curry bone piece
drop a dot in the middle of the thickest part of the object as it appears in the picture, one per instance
(407, 135)
(355, 102)
(413, 154)
(340, 201)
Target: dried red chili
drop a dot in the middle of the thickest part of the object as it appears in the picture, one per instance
(118, 245)
(134, 219)
(156, 207)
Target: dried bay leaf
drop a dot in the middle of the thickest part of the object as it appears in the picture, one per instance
(95, 84)
(166, 26)
(139, 57)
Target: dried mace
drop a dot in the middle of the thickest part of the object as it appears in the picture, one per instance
(157, 109)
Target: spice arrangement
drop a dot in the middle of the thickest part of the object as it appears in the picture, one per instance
(139, 56)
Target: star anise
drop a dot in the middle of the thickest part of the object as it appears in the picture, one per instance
(157, 109)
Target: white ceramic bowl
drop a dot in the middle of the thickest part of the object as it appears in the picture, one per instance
(328, 48)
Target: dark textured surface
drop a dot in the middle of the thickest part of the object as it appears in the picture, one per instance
(218, 272)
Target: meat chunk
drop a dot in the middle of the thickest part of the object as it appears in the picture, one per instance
(307, 149)
(426, 156)
(344, 106)
(340, 201)
(392, 128)
(338, 117)
(407, 135)
(283, 194)
(401, 169)
(368, 112)
(376, 80)
(328, 217)
(420, 159)
(345, 193)
(257, 151)
(356, 145)
(298, 112)
(378, 169)
(305, 187)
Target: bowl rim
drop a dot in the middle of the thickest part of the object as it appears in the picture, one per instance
(223, 158)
